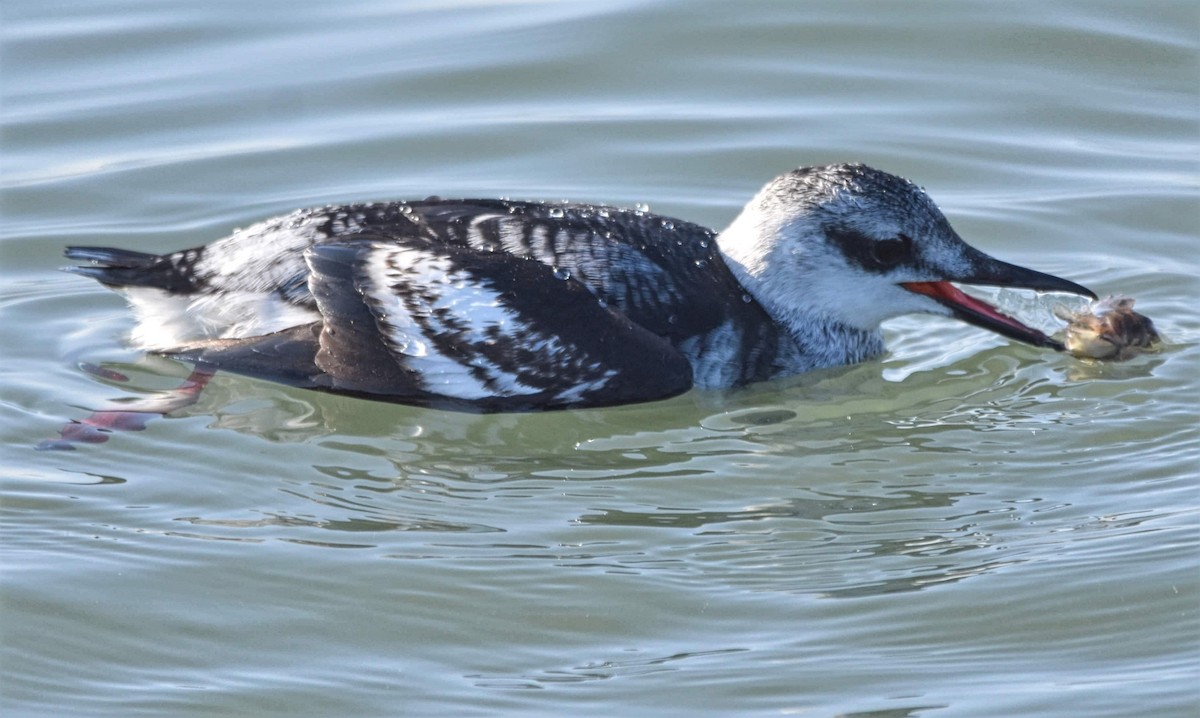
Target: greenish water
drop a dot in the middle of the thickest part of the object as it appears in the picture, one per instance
(966, 528)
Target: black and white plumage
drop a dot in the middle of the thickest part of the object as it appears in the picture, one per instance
(506, 305)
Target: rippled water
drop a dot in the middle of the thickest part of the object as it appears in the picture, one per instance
(968, 527)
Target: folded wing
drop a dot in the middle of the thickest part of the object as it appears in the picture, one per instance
(451, 325)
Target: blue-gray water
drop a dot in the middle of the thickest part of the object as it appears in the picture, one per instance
(968, 527)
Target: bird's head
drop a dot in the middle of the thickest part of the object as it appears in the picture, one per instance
(853, 245)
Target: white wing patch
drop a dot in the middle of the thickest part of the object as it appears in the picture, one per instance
(439, 317)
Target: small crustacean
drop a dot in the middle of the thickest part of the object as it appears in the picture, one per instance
(1107, 329)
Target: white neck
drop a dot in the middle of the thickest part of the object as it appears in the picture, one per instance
(807, 310)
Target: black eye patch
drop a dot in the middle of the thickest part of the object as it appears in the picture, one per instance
(873, 255)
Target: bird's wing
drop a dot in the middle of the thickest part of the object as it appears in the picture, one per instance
(444, 323)
(664, 274)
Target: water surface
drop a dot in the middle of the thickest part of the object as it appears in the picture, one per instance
(967, 527)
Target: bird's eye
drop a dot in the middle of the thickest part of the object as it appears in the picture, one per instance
(890, 252)
(873, 255)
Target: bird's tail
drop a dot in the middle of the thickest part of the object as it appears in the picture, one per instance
(118, 268)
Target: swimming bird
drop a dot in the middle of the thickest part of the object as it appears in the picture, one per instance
(498, 305)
